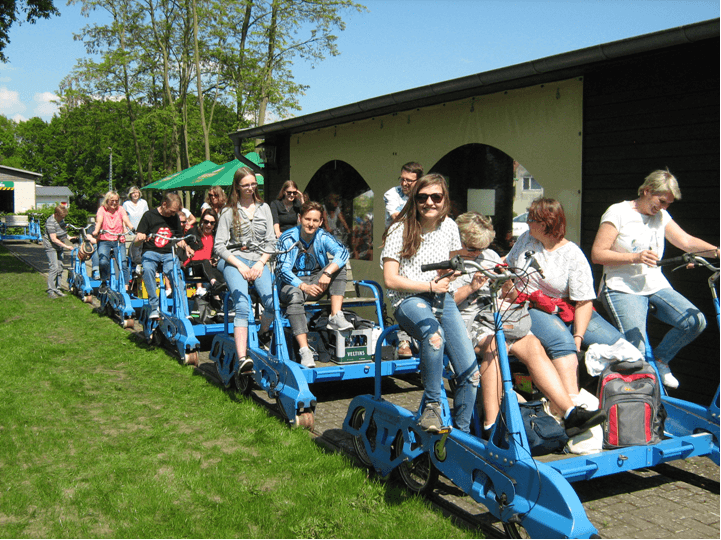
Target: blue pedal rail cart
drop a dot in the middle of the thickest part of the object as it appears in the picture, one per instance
(176, 324)
(115, 300)
(79, 282)
(20, 227)
(524, 493)
(277, 371)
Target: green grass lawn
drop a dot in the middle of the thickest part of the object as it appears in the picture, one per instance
(101, 436)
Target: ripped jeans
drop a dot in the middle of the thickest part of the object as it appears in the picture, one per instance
(414, 315)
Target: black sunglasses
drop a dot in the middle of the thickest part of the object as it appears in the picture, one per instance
(421, 198)
(206, 222)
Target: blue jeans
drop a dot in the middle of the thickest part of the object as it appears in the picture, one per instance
(151, 260)
(415, 316)
(104, 248)
(630, 312)
(556, 336)
(238, 287)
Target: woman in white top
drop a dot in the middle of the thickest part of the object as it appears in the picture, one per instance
(629, 241)
(567, 281)
(422, 234)
(135, 207)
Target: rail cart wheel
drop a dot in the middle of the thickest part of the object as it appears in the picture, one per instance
(305, 420)
(419, 475)
(515, 530)
(356, 422)
(191, 359)
(244, 384)
(129, 323)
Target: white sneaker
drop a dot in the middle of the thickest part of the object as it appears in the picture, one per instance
(306, 357)
(667, 378)
(338, 322)
(200, 291)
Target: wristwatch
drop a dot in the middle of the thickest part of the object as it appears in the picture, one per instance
(326, 273)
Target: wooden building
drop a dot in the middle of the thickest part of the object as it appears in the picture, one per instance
(589, 125)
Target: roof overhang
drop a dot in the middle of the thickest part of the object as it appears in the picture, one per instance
(561, 66)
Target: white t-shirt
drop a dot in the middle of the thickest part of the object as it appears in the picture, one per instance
(436, 246)
(394, 200)
(636, 232)
(566, 270)
(135, 211)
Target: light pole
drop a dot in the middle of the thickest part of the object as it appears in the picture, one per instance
(110, 175)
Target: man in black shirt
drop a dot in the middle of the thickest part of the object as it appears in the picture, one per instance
(161, 223)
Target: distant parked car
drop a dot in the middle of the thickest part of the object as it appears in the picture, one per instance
(519, 224)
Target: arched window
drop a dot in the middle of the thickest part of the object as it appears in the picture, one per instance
(483, 179)
(348, 203)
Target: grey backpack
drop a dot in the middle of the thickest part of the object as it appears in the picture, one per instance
(630, 394)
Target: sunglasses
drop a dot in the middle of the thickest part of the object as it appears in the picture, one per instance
(291, 192)
(214, 195)
(206, 222)
(421, 198)
(248, 186)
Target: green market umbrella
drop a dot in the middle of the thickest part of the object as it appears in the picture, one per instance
(177, 179)
(221, 175)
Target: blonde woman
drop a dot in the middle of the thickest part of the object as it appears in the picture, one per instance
(628, 244)
(113, 219)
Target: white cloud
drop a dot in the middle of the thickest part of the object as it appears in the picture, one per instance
(10, 102)
(19, 118)
(45, 108)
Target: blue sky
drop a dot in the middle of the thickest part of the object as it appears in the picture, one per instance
(395, 45)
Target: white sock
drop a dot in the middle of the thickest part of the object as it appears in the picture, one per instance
(568, 412)
(489, 427)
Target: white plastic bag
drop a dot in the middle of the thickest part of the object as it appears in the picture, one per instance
(590, 441)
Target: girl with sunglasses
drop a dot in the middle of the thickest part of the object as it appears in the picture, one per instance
(203, 259)
(215, 199)
(246, 221)
(423, 233)
(285, 207)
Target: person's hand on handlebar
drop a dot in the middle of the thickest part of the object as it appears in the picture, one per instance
(442, 283)
(647, 257)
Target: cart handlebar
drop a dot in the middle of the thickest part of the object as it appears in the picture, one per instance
(687, 258)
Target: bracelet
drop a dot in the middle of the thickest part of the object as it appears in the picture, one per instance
(578, 335)
(430, 285)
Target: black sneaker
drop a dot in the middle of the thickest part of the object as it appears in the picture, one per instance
(103, 288)
(245, 365)
(264, 339)
(581, 420)
(431, 419)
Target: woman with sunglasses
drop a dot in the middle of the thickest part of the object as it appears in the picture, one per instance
(567, 284)
(285, 207)
(246, 221)
(423, 233)
(215, 198)
(202, 259)
(112, 219)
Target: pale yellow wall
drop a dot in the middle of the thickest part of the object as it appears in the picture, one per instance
(539, 126)
(24, 195)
